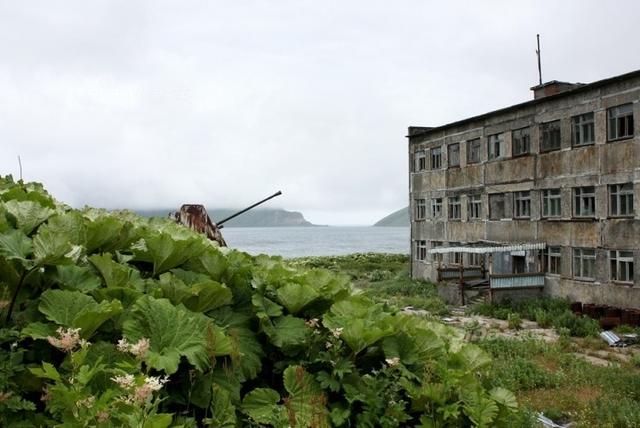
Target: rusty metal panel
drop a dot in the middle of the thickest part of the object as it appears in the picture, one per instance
(196, 218)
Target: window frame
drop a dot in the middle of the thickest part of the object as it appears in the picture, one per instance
(471, 151)
(615, 120)
(475, 206)
(545, 132)
(580, 195)
(436, 204)
(522, 204)
(450, 156)
(580, 256)
(421, 250)
(437, 257)
(618, 195)
(616, 261)
(578, 126)
(420, 161)
(504, 206)
(546, 197)
(517, 137)
(454, 206)
(552, 260)
(495, 140)
(433, 157)
(420, 209)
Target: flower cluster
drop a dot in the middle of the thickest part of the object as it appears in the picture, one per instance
(393, 361)
(140, 394)
(68, 339)
(337, 332)
(138, 349)
(312, 323)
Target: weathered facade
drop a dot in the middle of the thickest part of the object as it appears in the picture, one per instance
(562, 170)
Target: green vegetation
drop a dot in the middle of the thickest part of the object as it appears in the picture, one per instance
(547, 312)
(384, 278)
(111, 320)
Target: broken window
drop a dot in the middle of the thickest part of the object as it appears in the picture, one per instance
(522, 204)
(521, 141)
(436, 158)
(584, 263)
(475, 206)
(421, 209)
(454, 208)
(421, 250)
(455, 258)
(473, 151)
(436, 257)
(582, 130)
(621, 265)
(584, 201)
(550, 136)
(620, 120)
(621, 199)
(495, 149)
(420, 163)
(551, 203)
(436, 207)
(476, 259)
(454, 154)
(496, 206)
(551, 260)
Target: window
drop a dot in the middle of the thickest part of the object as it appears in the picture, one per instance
(582, 130)
(496, 206)
(551, 203)
(621, 199)
(473, 151)
(522, 204)
(420, 158)
(521, 141)
(475, 206)
(421, 250)
(621, 265)
(550, 136)
(620, 122)
(476, 259)
(584, 201)
(454, 208)
(495, 149)
(584, 263)
(421, 209)
(436, 158)
(455, 258)
(436, 207)
(454, 154)
(551, 260)
(436, 257)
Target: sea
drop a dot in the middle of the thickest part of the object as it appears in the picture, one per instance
(290, 242)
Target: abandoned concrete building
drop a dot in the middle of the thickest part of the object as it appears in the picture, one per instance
(537, 196)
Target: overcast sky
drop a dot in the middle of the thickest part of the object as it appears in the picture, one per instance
(154, 104)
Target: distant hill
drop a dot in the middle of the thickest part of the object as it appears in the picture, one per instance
(398, 218)
(260, 217)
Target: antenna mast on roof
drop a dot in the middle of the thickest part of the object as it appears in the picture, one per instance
(538, 53)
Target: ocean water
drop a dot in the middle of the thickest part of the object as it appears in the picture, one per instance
(317, 241)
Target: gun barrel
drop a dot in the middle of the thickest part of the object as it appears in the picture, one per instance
(221, 222)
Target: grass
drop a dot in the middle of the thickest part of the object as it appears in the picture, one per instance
(383, 277)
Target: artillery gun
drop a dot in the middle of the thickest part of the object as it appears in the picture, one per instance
(195, 217)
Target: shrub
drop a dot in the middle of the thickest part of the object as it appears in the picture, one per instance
(514, 320)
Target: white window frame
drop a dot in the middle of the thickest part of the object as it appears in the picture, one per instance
(619, 195)
(522, 204)
(548, 131)
(420, 161)
(421, 250)
(584, 202)
(584, 263)
(583, 130)
(552, 260)
(436, 207)
(436, 158)
(621, 266)
(495, 149)
(475, 206)
(436, 257)
(455, 208)
(619, 117)
(550, 200)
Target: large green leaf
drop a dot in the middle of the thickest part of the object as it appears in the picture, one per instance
(481, 409)
(77, 310)
(306, 404)
(116, 274)
(202, 296)
(28, 214)
(264, 307)
(166, 252)
(289, 332)
(71, 277)
(223, 412)
(261, 405)
(51, 247)
(15, 245)
(174, 331)
(294, 296)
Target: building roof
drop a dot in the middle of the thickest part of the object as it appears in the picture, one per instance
(418, 131)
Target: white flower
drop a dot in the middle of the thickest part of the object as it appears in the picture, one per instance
(393, 361)
(138, 349)
(68, 340)
(86, 402)
(126, 381)
(123, 345)
(312, 323)
(337, 332)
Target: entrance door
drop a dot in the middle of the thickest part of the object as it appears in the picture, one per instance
(519, 264)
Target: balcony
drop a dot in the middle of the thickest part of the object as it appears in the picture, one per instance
(515, 281)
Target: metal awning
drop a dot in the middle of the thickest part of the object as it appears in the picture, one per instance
(489, 249)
